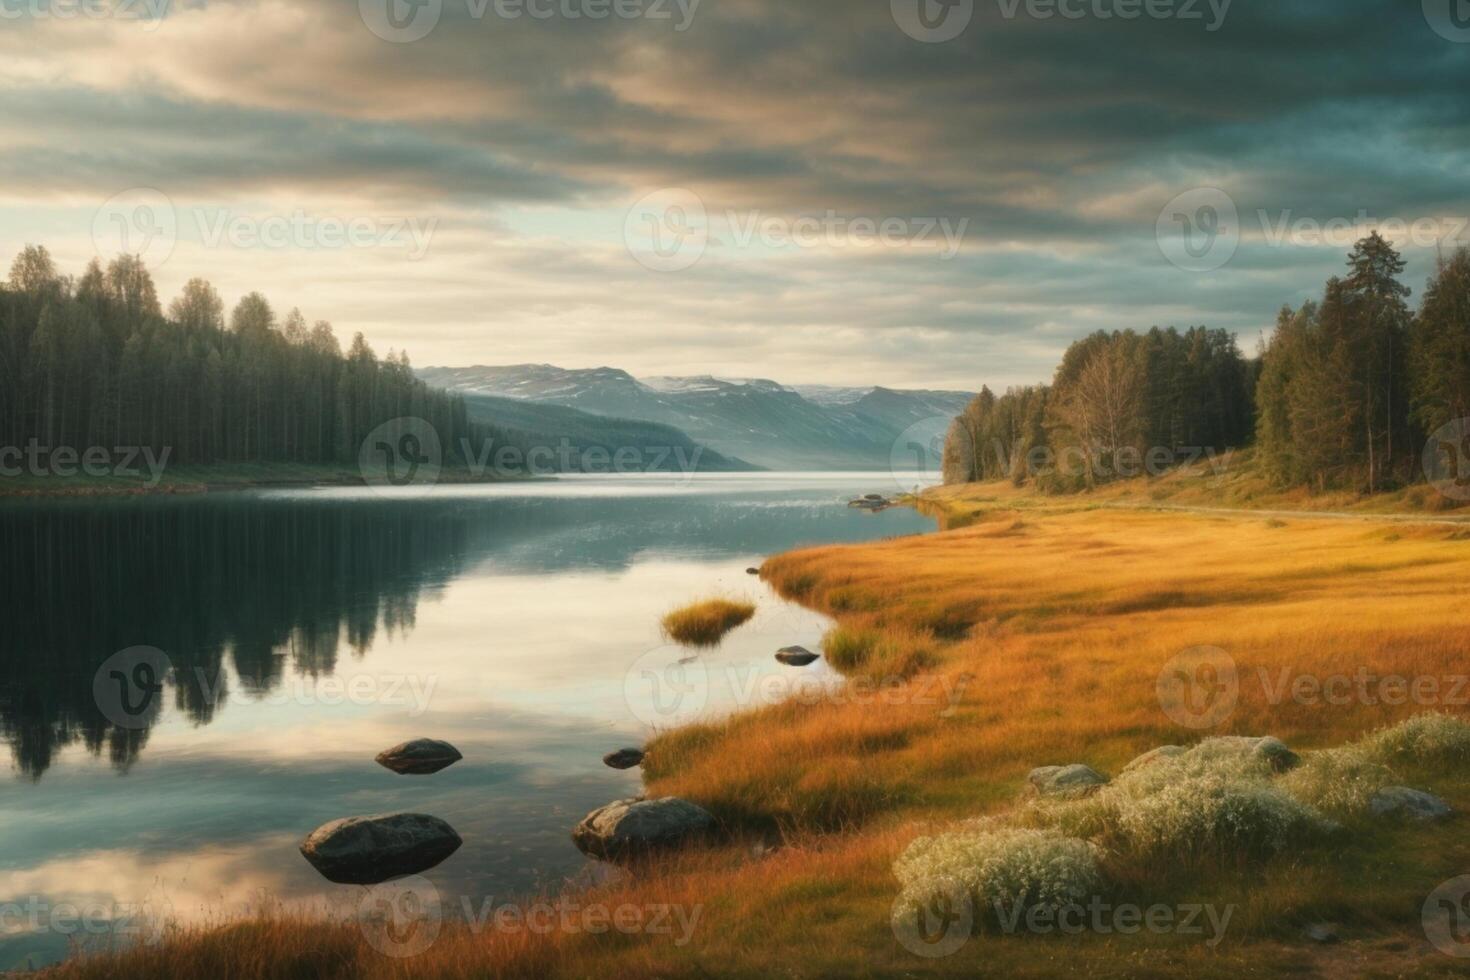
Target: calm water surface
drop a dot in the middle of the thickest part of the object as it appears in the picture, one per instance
(305, 631)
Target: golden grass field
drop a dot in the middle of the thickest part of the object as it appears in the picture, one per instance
(1034, 632)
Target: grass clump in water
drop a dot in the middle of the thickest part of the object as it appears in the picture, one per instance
(705, 623)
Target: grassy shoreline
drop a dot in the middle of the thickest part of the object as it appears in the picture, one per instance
(1032, 632)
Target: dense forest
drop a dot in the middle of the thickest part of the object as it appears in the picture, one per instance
(96, 361)
(1342, 396)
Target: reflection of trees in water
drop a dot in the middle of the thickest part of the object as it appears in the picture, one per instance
(266, 586)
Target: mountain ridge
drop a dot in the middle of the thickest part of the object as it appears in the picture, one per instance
(755, 420)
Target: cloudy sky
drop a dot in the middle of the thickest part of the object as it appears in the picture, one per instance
(905, 192)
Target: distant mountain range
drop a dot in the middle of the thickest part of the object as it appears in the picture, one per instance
(801, 427)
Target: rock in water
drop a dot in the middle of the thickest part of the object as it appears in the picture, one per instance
(368, 850)
(796, 656)
(1073, 780)
(752, 571)
(623, 758)
(1408, 804)
(632, 828)
(419, 757)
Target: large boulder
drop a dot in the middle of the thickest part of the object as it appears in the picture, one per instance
(634, 828)
(419, 757)
(1408, 804)
(796, 656)
(367, 850)
(623, 759)
(1073, 780)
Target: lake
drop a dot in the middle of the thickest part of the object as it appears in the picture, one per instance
(294, 634)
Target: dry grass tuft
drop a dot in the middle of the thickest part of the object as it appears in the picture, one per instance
(705, 623)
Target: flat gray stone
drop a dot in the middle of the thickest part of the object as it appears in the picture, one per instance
(634, 828)
(1408, 804)
(796, 656)
(1073, 780)
(623, 758)
(419, 757)
(368, 850)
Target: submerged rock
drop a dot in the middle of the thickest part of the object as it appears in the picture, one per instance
(419, 757)
(623, 758)
(796, 656)
(1408, 804)
(372, 849)
(632, 828)
(1073, 780)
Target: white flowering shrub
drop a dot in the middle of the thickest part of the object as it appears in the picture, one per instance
(1208, 815)
(999, 869)
(1424, 739)
(1218, 798)
(1338, 780)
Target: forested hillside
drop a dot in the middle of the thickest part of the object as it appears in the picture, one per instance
(96, 361)
(1343, 396)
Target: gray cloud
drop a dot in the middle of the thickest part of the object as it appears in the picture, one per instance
(1058, 140)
